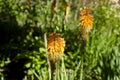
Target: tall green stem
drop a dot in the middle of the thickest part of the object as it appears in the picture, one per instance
(81, 68)
(49, 66)
(82, 58)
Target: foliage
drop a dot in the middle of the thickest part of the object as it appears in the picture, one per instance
(22, 28)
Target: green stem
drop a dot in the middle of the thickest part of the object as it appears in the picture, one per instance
(81, 68)
(49, 65)
(52, 65)
(82, 58)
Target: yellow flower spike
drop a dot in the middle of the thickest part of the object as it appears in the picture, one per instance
(54, 6)
(66, 6)
(86, 22)
(53, 9)
(56, 46)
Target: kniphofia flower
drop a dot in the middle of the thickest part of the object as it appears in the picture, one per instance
(66, 6)
(56, 46)
(86, 22)
(54, 6)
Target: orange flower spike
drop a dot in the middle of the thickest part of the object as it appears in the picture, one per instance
(86, 22)
(56, 46)
(85, 11)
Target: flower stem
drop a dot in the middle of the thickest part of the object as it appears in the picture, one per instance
(82, 58)
(49, 66)
(81, 69)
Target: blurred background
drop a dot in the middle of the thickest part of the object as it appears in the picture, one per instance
(22, 27)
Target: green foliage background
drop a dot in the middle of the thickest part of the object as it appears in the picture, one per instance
(22, 28)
